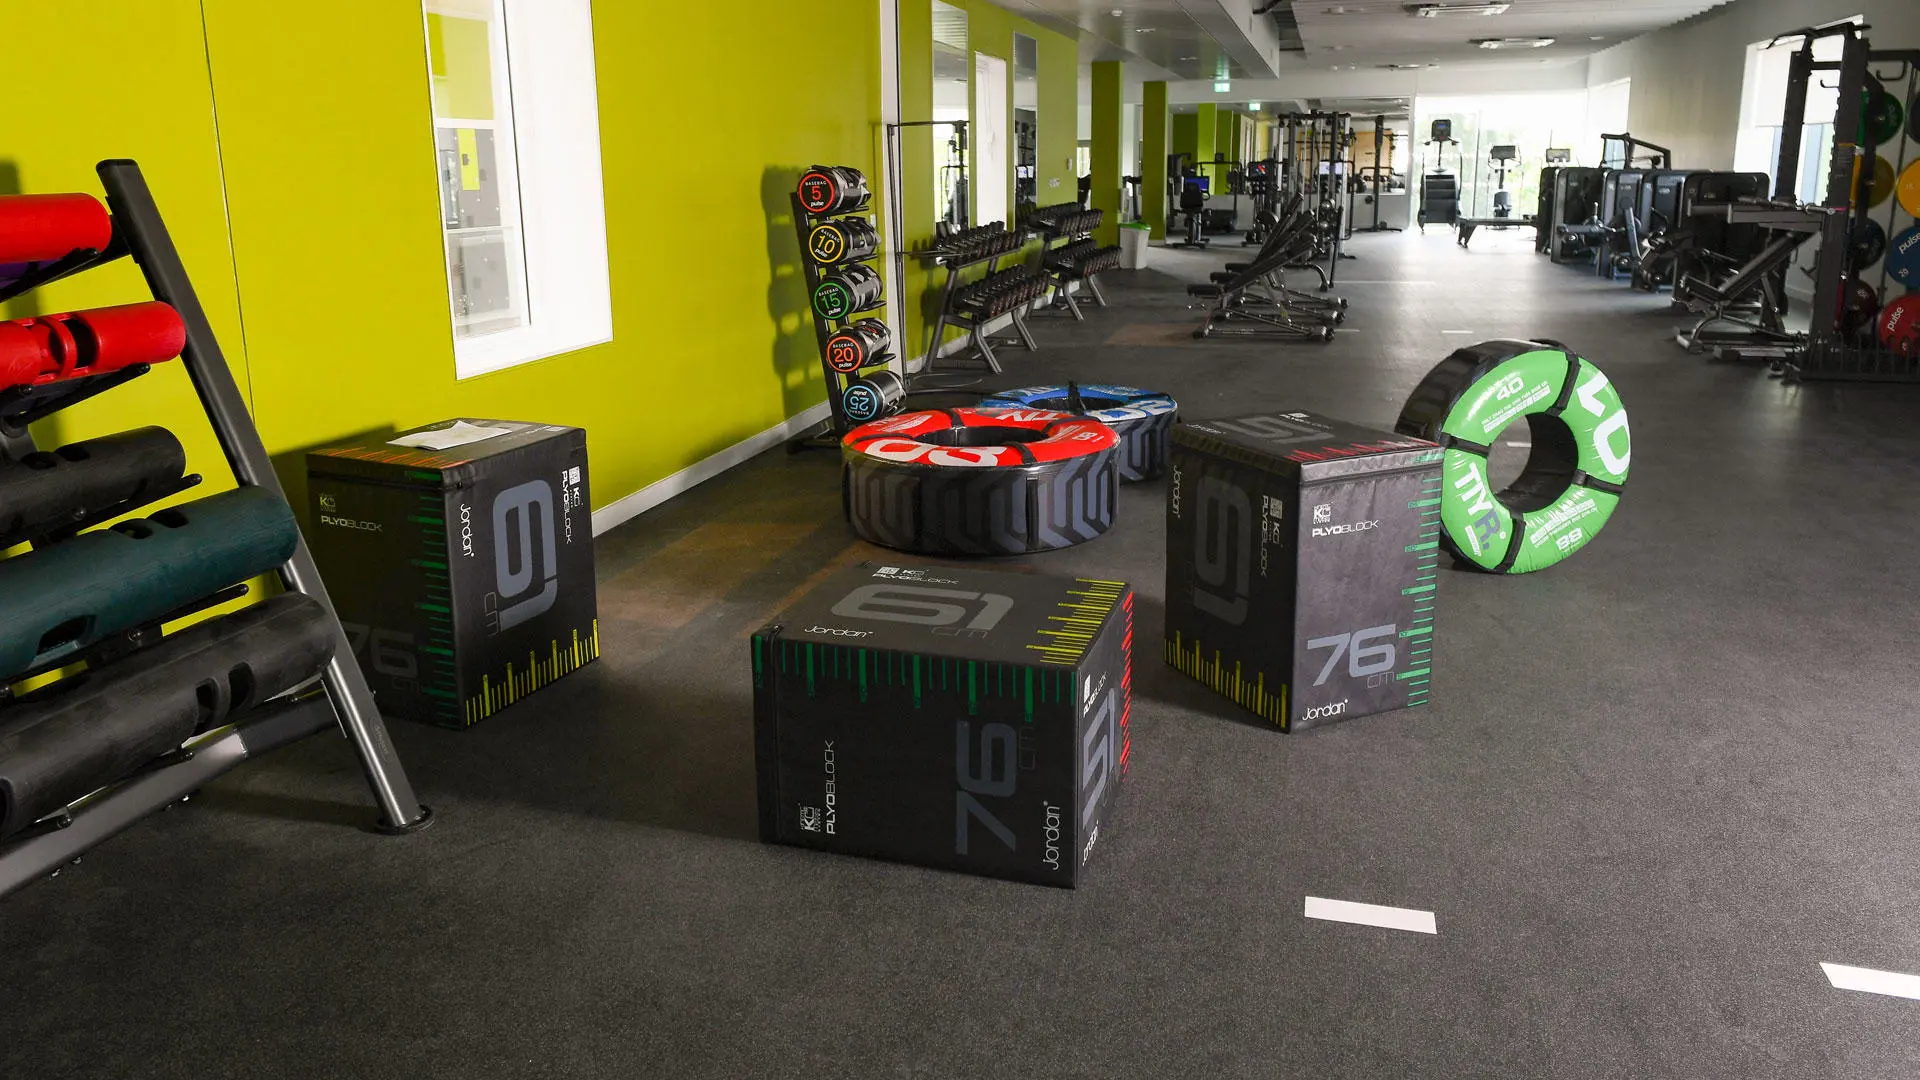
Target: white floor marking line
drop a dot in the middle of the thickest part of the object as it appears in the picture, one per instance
(1383, 281)
(1392, 918)
(1456, 331)
(1346, 329)
(1869, 981)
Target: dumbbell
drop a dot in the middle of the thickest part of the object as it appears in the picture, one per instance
(858, 346)
(832, 189)
(847, 291)
(877, 395)
(841, 240)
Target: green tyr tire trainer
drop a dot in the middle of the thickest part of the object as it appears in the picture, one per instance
(1575, 471)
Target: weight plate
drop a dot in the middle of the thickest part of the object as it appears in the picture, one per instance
(1903, 262)
(1574, 474)
(1907, 190)
(1859, 306)
(1900, 325)
(1880, 184)
(1881, 115)
(1869, 243)
(1142, 418)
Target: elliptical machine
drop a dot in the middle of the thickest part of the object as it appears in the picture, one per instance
(1439, 189)
(1503, 158)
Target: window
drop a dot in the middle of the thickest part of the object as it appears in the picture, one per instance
(517, 144)
(1763, 106)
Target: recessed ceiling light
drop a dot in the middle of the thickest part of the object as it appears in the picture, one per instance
(1336, 10)
(1513, 42)
(1116, 13)
(1189, 58)
(1143, 29)
(1336, 48)
(1597, 37)
(1449, 11)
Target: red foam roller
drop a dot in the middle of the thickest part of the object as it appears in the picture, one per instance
(35, 228)
(88, 342)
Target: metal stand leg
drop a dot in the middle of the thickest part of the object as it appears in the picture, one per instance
(1093, 284)
(981, 342)
(1026, 336)
(346, 685)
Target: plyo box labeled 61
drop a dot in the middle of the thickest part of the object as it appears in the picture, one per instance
(1302, 559)
(460, 557)
(966, 719)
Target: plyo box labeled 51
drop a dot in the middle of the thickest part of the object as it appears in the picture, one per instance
(967, 719)
(460, 557)
(1302, 556)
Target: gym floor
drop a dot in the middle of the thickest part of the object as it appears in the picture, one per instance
(1657, 787)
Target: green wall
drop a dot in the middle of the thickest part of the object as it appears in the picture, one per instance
(1186, 140)
(290, 148)
(310, 222)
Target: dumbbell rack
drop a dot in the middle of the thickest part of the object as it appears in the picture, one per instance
(343, 699)
(824, 328)
(952, 313)
(1054, 229)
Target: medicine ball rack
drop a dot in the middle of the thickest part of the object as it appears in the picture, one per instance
(825, 201)
(343, 697)
(1079, 259)
(975, 304)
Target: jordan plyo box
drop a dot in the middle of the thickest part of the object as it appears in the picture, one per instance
(966, 719)
(460, 557)
(1302, 559)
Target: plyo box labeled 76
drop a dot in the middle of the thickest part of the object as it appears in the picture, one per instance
(967, 719)
(460, 557)
(1302, 559)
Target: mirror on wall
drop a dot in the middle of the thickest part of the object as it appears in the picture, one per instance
(1026, 123)
(952, 66)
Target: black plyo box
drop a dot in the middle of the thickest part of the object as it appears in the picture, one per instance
(1302, 558)
(967, 719)
(464, 575)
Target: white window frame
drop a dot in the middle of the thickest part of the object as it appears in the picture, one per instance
(555, 124)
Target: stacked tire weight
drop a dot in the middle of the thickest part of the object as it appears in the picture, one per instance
(102, 594)
(1143, 419)
(858, 350)
(1576, 470)
(980, 481)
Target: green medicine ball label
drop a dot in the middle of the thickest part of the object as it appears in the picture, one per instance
(1563, 528)
(831, 300)
(1479, 525)
(1528, 383)
(1599, 424)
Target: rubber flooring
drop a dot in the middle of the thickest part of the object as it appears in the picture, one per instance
(1657, 787)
